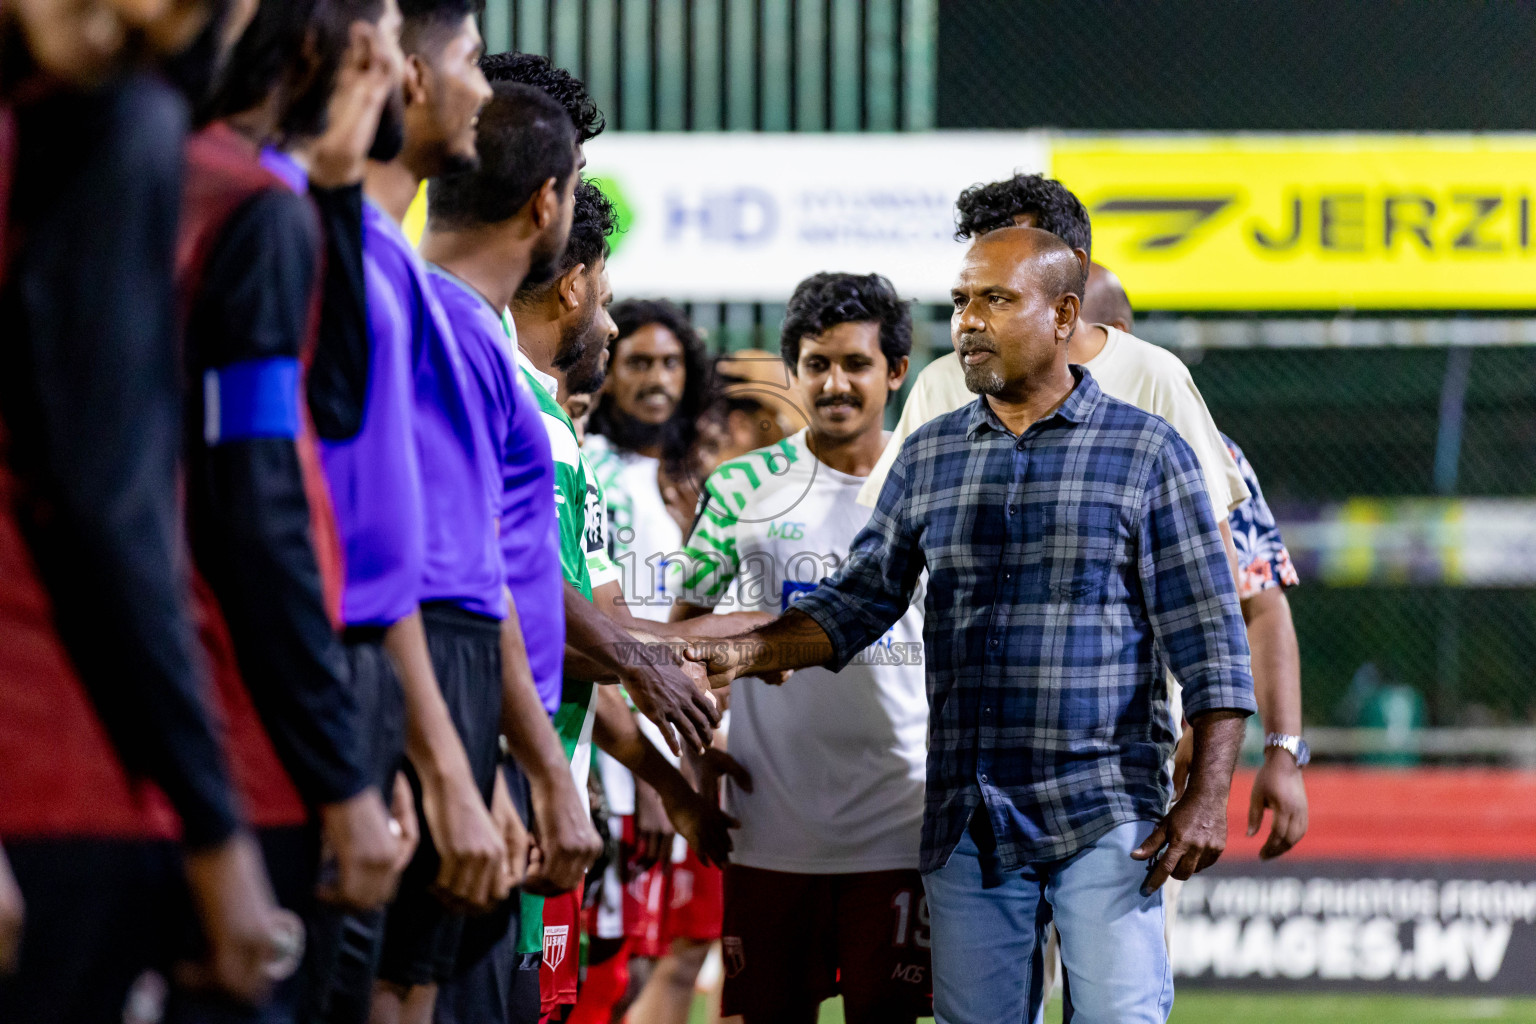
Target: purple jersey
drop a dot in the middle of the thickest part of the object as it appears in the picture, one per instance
(285, 167)
(461, 557)
(375, 477)
(523, 482)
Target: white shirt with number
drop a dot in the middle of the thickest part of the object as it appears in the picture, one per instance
(837, 759)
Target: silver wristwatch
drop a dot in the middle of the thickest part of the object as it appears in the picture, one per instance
(1293, 745)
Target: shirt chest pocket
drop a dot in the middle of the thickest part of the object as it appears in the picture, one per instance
(1081, 544)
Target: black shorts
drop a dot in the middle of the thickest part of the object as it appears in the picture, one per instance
(421, 935)
(791, 941)
(381, 705)
(96, 919)
(492, 980)
(345, 947)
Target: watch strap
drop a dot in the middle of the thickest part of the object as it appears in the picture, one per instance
(1291, 744)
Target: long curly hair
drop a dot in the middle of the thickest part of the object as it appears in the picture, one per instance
(679, 434)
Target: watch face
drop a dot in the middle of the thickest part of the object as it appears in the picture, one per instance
(1303, 753)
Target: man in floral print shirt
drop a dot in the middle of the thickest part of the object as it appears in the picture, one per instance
(1265, 572)
(1263, 561)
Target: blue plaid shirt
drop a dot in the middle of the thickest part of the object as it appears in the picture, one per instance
(1068, 568)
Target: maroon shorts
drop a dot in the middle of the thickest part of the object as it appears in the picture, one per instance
(791, 941)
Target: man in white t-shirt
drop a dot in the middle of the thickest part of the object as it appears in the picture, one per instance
(822, 894)
(663, 903)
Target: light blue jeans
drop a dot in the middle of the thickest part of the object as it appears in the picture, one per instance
(987, 942)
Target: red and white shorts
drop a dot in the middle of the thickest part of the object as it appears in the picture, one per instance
(676, 900)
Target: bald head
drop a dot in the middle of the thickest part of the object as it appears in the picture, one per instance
(1052, 264)
(1106, 301)
(1016, 303)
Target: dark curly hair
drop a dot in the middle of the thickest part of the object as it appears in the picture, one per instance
(678, 434)
(983, 208)
(568, 90)
(592, 221)
(825, 300)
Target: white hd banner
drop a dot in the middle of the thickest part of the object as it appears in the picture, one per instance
(741, 216)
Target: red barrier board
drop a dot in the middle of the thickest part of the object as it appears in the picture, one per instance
(1408, 880)
(1415, 814)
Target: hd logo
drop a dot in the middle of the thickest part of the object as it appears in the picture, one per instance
(1311, 222)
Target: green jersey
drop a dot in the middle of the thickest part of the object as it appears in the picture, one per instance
(583, 548)
(585, 564)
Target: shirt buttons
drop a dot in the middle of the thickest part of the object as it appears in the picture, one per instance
(987, 711)
(982, 777)
(1013, 510)
(993, 642)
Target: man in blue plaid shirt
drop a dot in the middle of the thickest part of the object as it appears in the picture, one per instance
(1072, 557)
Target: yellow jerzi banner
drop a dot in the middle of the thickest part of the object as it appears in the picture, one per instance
(1311, 222)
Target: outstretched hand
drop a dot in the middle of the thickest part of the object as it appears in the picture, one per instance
(717, 658)
(715, 764)
(653, 831)
(704, 825)
(673, 692)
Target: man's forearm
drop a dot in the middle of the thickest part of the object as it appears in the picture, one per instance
(597, 647)
(1218, 737)
(431, 740)
(791, 641)
(693, 621)
(581, 663)
(594, 643)
(1276, 661)
(616, 734)
(530, 736)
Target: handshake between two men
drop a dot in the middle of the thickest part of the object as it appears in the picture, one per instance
(1190, 837)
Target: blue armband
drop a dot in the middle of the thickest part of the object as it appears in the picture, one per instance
(251, 401)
